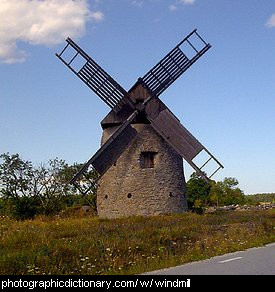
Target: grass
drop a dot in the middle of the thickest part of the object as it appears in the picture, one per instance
(90, 245)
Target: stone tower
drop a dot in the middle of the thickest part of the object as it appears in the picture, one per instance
(147, 179)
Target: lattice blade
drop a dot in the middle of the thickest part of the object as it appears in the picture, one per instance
(176, 135)
(173, 65)
(93, 75)
(107, 155)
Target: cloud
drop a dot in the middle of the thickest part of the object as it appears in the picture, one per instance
(187, 2)
(40, 22)
(137, 3)
(271, 21)
(174, 7)
(97, 16)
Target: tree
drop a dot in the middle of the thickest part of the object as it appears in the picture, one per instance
(15, 176)
(86, 185)
(226, 192)
(49, 185)
(232, 194)
(216, 193)
(201, 194)
(26, 190)
(53, 189)
(197, 193)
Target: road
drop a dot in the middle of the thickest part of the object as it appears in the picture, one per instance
(253, 261)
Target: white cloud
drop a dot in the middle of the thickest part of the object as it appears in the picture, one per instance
(175, 6)
(97, 16)
(172, 7)
(187, 2)
(40, 22)
(137, 3)
(271, 21)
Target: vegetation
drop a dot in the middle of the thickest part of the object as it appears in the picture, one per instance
(201, 194)
(257, 198)
(42, 230)
(89, 245)
(27, 191)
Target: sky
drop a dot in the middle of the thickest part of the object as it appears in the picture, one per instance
(226, 99)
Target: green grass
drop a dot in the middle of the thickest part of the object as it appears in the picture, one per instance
(126, 246)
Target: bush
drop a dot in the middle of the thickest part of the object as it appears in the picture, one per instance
(79, 200)
(201, 194)
(20, 208)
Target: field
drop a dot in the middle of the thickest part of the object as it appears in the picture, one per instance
(88, 245)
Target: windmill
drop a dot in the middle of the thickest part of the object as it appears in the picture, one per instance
(143, 142)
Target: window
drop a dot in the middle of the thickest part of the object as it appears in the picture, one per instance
(147, 159)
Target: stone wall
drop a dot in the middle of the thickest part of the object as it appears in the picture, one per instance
(260, 206)
(127, 189)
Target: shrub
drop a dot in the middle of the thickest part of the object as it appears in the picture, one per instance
(201, 194)
(22, 208)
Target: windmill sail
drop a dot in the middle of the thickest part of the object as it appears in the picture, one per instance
(177, 136)
(173, 65)
(93, 75)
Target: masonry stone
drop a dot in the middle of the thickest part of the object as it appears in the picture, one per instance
(127, 188)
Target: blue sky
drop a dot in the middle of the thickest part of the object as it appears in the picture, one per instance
(226, 99)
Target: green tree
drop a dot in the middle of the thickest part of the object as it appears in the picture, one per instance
(226, 192)
(232, 194)
(49, 185)
(26, 190)
(16, 177)
(87, 181)
(197, 193)
(87, 184)
(201, 194)
(216, 193)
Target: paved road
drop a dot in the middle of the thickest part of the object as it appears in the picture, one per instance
(253, 261)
